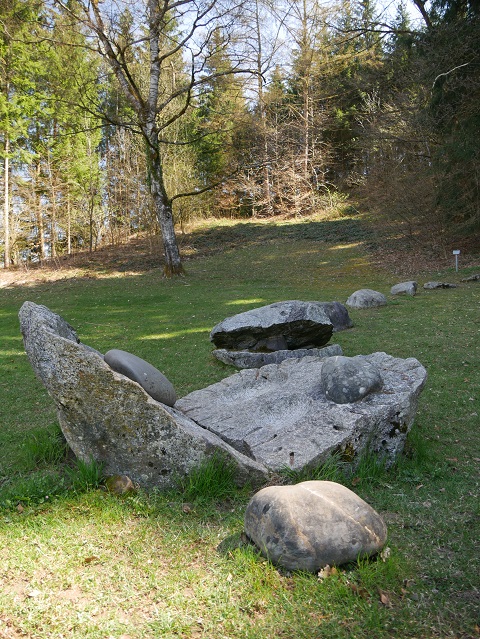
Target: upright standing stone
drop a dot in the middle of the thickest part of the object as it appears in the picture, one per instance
(111, 418)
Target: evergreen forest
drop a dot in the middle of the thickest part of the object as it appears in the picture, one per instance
(124, 117)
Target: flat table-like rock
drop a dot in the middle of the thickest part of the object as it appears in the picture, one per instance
(279, 414)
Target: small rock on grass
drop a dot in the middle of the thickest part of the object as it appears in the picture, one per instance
(313, 524)
(366, 298)
(119, 484)
(404, 288)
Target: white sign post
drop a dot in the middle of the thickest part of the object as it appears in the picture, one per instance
(456, 253)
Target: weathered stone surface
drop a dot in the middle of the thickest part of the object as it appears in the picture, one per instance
(279, 326)
(349, 379)
(149, 377)
(366, 298)
(472, 278)
(313, 524)
(111, 418)
(338, 314)
(247, 359)
(435, 285)
(404, 288)
(280, 416)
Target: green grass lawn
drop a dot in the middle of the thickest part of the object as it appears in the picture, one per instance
(78, 562)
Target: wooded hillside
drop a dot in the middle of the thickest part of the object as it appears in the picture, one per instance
(128, 117)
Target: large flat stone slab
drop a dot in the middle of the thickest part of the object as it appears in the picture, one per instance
(109, 417)
(280, 416)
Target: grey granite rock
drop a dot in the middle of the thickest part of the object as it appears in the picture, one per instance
(366, 298)
(349, 379)
(279, 414)
(280, 326)
(404, 288)
(434, 285)
(313, 524)
(111, 418)
(338, 314)
(149, 377)
(247, 359)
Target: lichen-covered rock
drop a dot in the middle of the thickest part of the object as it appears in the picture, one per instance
(111, 418)
(404, 288)
(313, 524)
(279, 326)
(149, 377)
(349, 379)
(280, 416)
(247, 359)
(366, 298)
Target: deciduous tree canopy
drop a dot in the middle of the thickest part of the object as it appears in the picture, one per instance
(127, 117)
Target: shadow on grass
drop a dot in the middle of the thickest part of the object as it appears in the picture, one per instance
(214, 239)
(141, 255)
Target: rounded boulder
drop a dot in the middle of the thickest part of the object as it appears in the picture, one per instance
(150, 378)
(313, 524)
(366, 298)
(404, 288)
(349, 379)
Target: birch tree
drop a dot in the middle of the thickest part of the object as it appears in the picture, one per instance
(166, 31)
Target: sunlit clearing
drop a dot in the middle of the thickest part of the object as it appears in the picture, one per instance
(238, 302)
(339, 247)
(171, 334)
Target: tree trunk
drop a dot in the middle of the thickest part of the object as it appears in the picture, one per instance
(6, 205)
(163, 207)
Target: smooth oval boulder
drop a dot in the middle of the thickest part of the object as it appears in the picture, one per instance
(404, 288)
(349, 379)
(313, 524)
(137, 369)
(366, 298)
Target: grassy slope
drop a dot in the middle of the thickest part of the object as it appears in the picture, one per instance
(92, 565)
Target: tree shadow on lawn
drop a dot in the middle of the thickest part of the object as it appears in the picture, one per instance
(141, 255)
(209, 240)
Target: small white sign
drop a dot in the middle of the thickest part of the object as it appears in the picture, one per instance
(456, 252)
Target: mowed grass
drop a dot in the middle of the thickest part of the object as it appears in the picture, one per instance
(76, 561)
